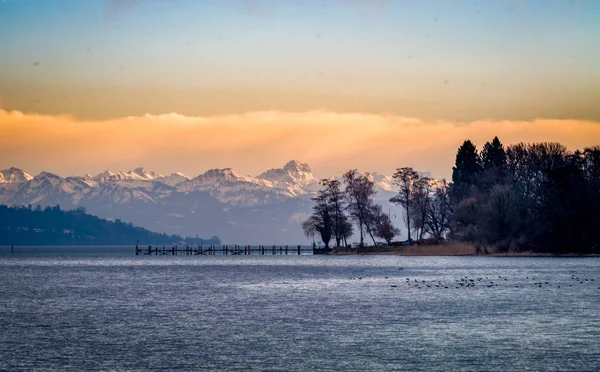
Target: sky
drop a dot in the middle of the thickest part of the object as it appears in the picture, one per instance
(191, 85)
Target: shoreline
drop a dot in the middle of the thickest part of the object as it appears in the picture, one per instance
(447, 250)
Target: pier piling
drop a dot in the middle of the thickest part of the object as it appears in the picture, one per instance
(213, 250)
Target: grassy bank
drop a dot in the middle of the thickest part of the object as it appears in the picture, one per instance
(450, 249)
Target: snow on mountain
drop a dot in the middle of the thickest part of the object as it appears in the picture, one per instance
(144, 174)
(87, 179)
(231, 187)
(139, 174)
(382, 182)
(295, 177)
(49, 189)
(173, 180)
(115, 193)
(14, 175)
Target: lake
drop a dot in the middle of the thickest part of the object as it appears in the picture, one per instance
(103, 308)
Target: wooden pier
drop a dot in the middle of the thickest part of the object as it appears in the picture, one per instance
(228, 250)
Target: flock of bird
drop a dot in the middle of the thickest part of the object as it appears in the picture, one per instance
(466, 282)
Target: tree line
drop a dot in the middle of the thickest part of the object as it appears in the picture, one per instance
(536, 197)
(540, 197)
(54, 226)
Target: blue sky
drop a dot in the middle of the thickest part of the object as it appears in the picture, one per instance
(386, 55)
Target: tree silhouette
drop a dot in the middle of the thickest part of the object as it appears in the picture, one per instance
(466, 170)
(437, 221)
(383, 225)
(336, 203)
(405, 178)
(360, 190)
(493, 161)
(320, 221)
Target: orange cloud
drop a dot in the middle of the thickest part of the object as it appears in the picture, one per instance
(329, 141)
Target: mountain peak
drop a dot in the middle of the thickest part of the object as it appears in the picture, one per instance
(139, 173)
(225, 173)
(44, 174)
(144, 174)
(14, 175)
(139, 170)
(174, 179)
(105, 174)
(294, 176)
(296, 166)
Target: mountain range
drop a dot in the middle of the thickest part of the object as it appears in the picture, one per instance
(240, 209)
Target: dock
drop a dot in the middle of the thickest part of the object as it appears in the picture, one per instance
(228, 250)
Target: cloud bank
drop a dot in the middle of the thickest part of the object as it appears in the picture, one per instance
(330, 142)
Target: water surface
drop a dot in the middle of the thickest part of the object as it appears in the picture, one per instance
(104, 308)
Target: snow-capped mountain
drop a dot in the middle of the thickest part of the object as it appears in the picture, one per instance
(14, 175)
(231, 187)
(382, 182)
(139, 174)
(266, 209)
(294, 177)
(50, 189)
(173, 180)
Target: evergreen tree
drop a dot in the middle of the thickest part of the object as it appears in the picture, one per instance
(467, 165)
(494, 163)
(493, 156)
(466, 171)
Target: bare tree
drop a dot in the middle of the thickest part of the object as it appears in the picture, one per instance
(405, 178)
(437, 221)
(342, 229)
(383, 225)
(421, 199)
(360, 190)
(320, 221)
